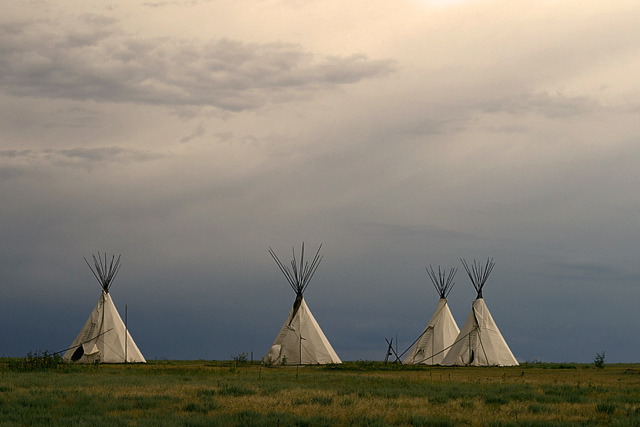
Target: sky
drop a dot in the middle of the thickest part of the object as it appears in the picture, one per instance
(190, 136)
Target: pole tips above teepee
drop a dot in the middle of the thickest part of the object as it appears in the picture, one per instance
(298, 276)
(479, 274)
(104, 270)
(442, 281)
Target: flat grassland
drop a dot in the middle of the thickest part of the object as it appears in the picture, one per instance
(205, 393)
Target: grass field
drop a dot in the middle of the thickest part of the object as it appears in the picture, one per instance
(204, 393)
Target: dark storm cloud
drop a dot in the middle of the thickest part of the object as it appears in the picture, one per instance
(94, 60)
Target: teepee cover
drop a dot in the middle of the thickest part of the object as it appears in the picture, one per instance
(441, 331)
(300, 341)
(433, 344)
(104, 337)
(315, 346)
(480, 342)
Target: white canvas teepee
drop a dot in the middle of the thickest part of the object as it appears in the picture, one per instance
(104, 337)
(432, 345)
(300, 341)
(480, 342)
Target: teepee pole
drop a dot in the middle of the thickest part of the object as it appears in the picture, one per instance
(126, 333)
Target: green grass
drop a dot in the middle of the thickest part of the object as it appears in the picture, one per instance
(205, 393)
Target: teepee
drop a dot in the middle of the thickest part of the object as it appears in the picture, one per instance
(104, 338)
(441, 331)
(300, 341)
(480, 342)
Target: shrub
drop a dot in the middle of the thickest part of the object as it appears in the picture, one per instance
(240, 359)
(598, 361)
(38, 361)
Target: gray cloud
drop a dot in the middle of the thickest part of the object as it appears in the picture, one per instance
(12, 154)
(77, 156)
(96, 61)
(543, 103)
(107, 154)
(423, 231)
(199, 131)
(159, 4)
(590, 272)
(72, 118)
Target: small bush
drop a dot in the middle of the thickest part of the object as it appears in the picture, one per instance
(240, 359)
(38, 361)
(598, 361)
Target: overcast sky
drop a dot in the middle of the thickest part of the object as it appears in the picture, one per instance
(192, 135)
